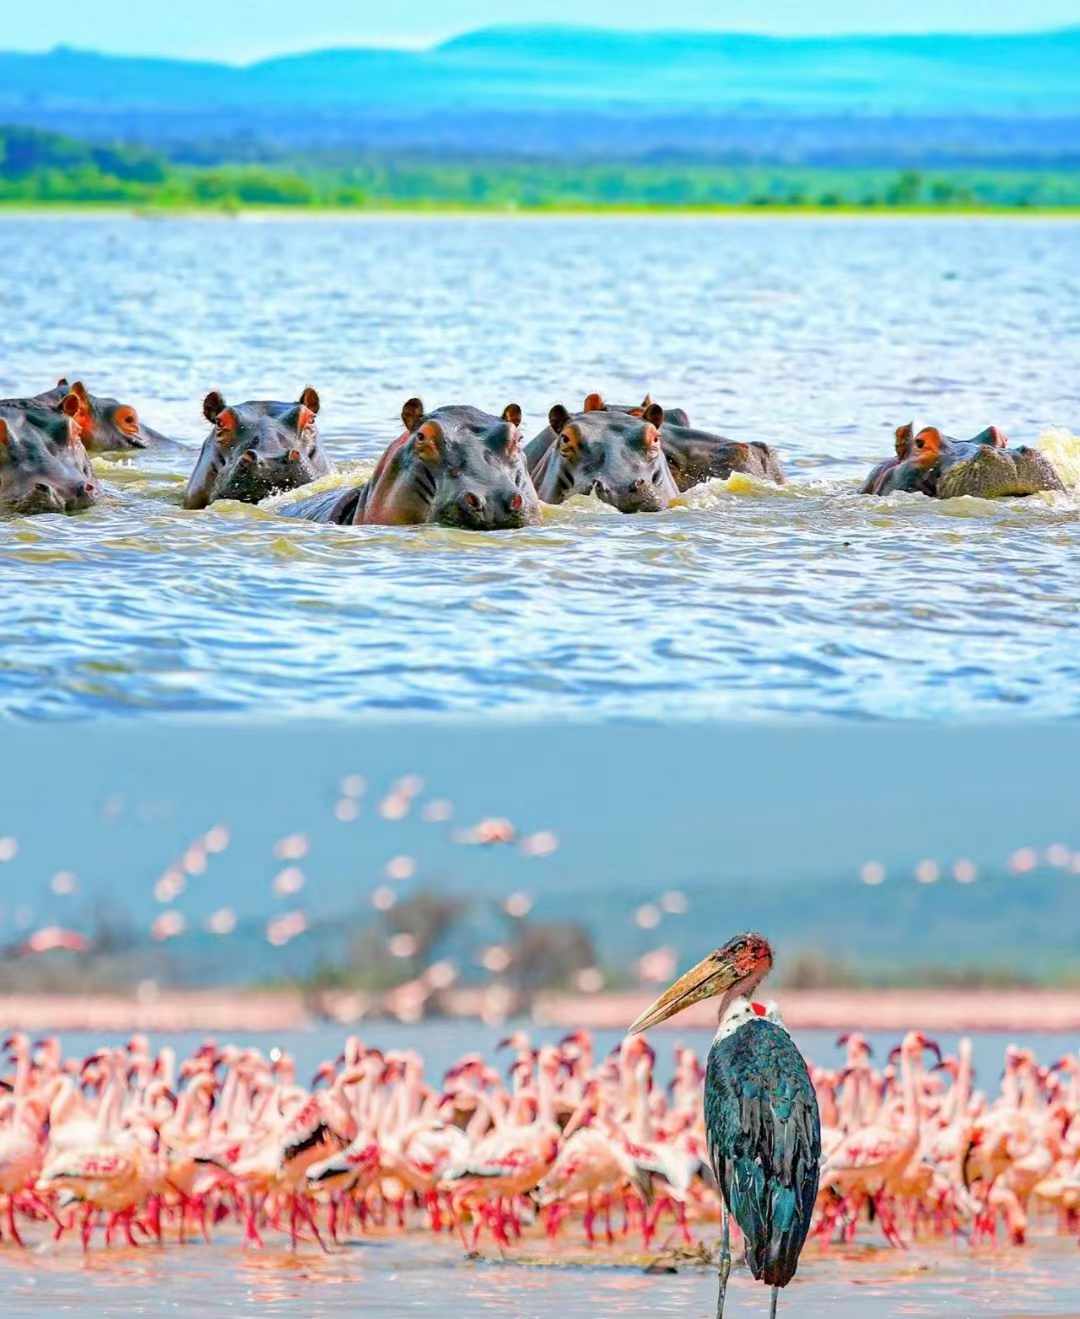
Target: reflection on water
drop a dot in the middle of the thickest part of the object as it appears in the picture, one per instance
(816, 335)
(406, 1275)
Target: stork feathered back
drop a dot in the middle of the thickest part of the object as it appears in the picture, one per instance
(764, 1134)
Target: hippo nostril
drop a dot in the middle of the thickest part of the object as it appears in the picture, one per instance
(473, 501)
(43, 488)
(248, 457)
(516, 502)
(293, 455)
(637, 487)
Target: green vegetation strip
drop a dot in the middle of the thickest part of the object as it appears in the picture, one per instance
(47, 169)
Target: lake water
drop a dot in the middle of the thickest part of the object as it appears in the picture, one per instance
(421, 1275)
(817, 335)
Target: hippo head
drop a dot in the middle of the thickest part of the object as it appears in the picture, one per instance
(462, 467)
(914, 468)
(43, 465)
(256, 449)
(612, 454)
(987, 468)
(931, 463)
(103, 424)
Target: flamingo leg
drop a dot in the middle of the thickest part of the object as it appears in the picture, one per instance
(772, 1303)
(307, 1213)
(11, 1222)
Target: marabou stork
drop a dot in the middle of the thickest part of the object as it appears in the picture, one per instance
(761, 1113)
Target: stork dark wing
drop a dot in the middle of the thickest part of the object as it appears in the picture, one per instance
(764, 1133)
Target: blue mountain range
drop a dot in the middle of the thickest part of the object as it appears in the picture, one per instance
(514, 67)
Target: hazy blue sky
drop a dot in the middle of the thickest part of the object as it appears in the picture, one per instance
(241, 30)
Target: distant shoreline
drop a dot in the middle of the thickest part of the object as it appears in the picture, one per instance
(243, 1011)
(261, 214)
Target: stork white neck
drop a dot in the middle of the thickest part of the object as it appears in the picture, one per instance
(735, 1014)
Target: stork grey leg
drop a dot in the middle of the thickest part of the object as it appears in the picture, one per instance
(725, 1261)
(772, 1306)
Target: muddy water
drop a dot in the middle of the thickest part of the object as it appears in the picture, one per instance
(817, 335)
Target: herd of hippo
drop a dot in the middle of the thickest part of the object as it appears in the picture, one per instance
(457, 465)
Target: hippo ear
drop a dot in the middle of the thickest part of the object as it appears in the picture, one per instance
(80, 389)
(650, 439)
(512, 414)
(998, 438)
(653, 413)
(570, 443)
(62, 383)
(903, 439)
(213, 404)
(594, 403)
(557, 418)
(411, 413)
(71, 404)
(310, 399)
(928, 440)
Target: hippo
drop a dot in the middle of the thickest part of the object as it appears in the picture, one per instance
(256, 449)
(696, 455)
(104, 424)
(456, 466)
(540, 444)
(44, 467)
(693, 455)
(943, 467)
(616, 455)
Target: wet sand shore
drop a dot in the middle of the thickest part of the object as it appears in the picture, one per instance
(1014, 1011)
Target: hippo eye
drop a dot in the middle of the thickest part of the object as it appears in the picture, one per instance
(656, 477)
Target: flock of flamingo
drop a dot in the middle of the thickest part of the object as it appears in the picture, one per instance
(148, 1147)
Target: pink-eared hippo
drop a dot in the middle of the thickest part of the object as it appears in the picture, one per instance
(256, 449)
(456, 466)
(931, 463)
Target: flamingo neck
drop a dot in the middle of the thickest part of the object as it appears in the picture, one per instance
(912, 1100)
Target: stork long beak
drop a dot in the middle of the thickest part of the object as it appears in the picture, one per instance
(714, 975)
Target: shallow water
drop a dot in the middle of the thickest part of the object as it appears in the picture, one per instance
(421, 1274)
(817, 335)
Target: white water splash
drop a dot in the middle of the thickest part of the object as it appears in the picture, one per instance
(1062, 447)
(345, 474)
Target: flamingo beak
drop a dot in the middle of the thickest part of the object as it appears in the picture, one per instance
(712, 976)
